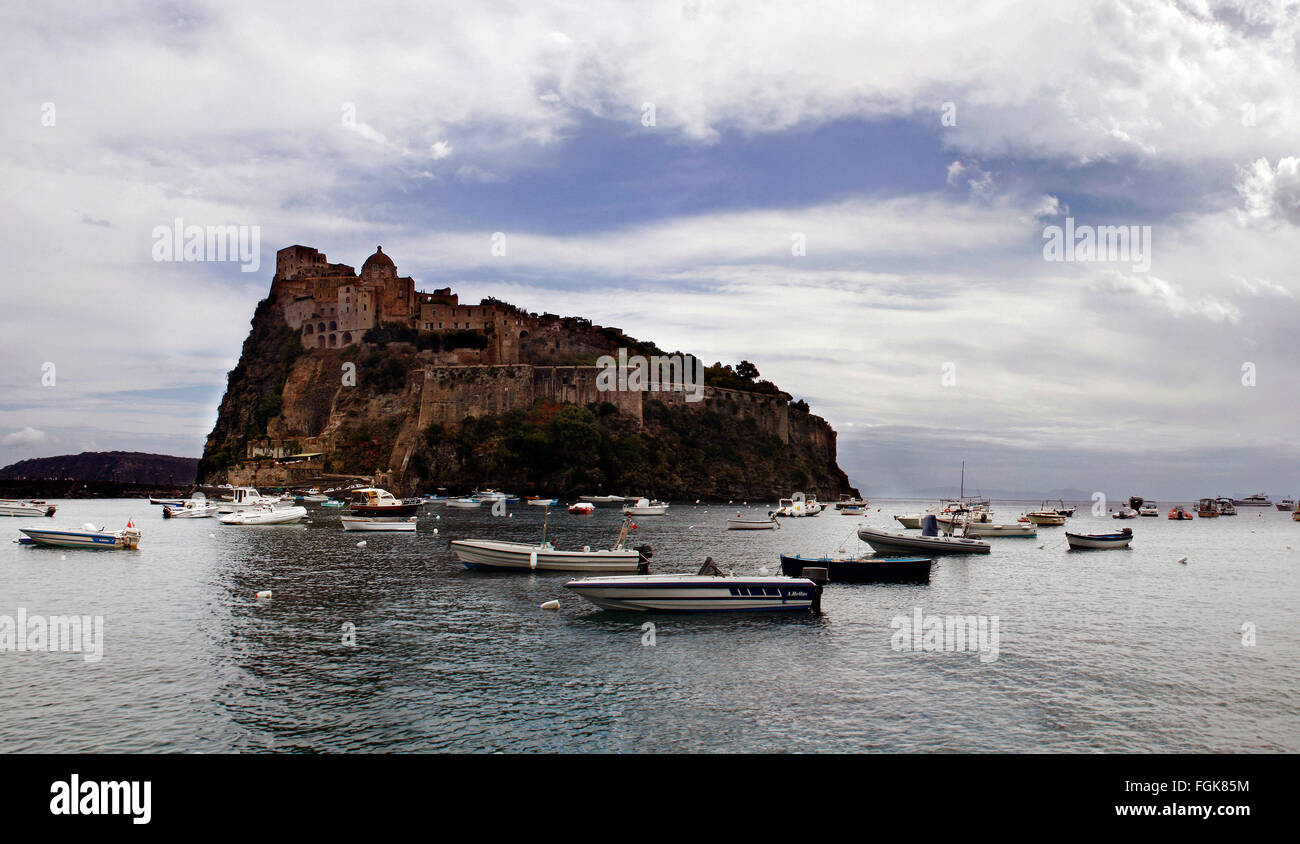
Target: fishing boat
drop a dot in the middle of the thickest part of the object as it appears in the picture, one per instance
(602, 499)
(265, 515)
(1149, 508)
(167, 502)
(1096, 541)
(987, 529)
(1259, 499)
(197, 507)
(862, 568)
(1286, 505)
(378, 523)
(698, 593)
(582, 508)
(1207, 508)
(243, 498)
(371, 501)
(1046, 516)
(26, 508)
(929, 542)
(1226, 507)
(1063, 510)
(848, 501)
(541, 502)
(496, 554)
(464, 503)
(1179, 513)
(742, 523)
(853, 511)
(645, 507)
(797, 507)
(87, 536)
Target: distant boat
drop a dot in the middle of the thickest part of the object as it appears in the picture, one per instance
(464, 503)
(862, 569)
(371, 501)
(1207, 508)
(928, 542)
(1259, 499)
(1046, 516)
(88, 536)
(1226, 507)
(582, 508)
(742, 523)
(848, 501)
(244, 498)
(1096, 541)
(1062, 510)
(797, 508)
(265, 515)
(697, 593)
(543, 502)
(645, 507)
(1286, 504)
(378, 523)
(167, 502)
(333, 502)
(852, 511)
(26, 508)
(1124, 513)
(198, 507)
(1149, 508)
(602, 499)
(496, 554)
(1179, 513)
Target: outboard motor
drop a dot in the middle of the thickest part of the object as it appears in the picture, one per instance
(929, 525)
(646, 553)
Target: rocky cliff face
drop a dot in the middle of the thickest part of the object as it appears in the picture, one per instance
(415, 418)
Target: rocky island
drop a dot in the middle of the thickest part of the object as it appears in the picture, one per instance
(360, 375)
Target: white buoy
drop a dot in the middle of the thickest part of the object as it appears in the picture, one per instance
(1183, 560)
(763, 571)
(212, 536)
(63, 557)
(551, 605)
(435, 530)
(263, 596)
(361, 544)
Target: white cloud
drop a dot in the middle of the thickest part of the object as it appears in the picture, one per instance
(25, 437)
(1270, 194)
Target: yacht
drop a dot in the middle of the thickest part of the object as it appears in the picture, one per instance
(1259, 499)
(369, 501)
(1286, 505)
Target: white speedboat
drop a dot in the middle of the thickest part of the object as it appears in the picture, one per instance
(243, 498)
(542, 502)
(741, 523)
(497, 554)
(582, 508)
(464, 503)
(265, 515)
(1259, 499)
(645, 507)
(978, 529)
(371, 501)
(87, 536)
(1124, 513)
(167, 502)
(1149, 508)
(1046, 517)
(797, 508)
(26, 508)
(602, 499)
(1094, 541)
(1226, 507)
(378, 523)
(197, 507)
(929, 541)
(697, 593)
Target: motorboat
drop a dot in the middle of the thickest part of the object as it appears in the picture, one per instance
(848, 501)
(266, 515)
(1046, 516)
(496, 554)
(1207, 508)
(333, 502)
(797, 507)
(87, 536)
(167, 502)
(862, 568)
(602, 499)
(1096, 541)
(742, 523)
(1179, 513)
(985, 529)
(371, 501)
(853, 511)
(929, 542)
(1259, 499)
(464, 503)
(197, 507)
(243, 498)
(378, 523)
(582, 508)
(1286, 505)
(1149, 508)
(1124, 513)
(1063, 510)
(697, 593)
(645, 507)
(26, 508)
(542, 502)
(1226, 507)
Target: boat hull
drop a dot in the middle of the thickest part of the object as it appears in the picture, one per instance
(519, 556)
(1097, 542)
(1046, 519)
(862, 569)
(97, 540)
(752, 524)
(464, 505)
(697, 593)
(978, 529)
(403, 509)
(368, 523)
(909, 522)
(20, 509)
(895, 543)
(249, 518)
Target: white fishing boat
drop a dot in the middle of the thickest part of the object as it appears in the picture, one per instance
(1124, 513)
(1094, 541)
(464, 503)
(497, 554)
(372, 501)
(87, 536)
(1286, 504)
(645, 507)
(378, 523)
(1046, 516)
(849, 501)
(243, 498)
(929, 541)
(742, 523)
(266, 515)
(197, 507)
(1226, 507)
(26, 508)
(542, 502)
(696, 593)
(797, 507)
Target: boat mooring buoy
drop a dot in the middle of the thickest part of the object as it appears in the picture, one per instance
(361, 544)
(264, 595)
(1183, 560)
(551, 605)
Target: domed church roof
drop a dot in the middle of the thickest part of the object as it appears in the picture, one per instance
(379, 263)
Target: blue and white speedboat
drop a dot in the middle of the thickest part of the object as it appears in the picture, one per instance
(88, 536)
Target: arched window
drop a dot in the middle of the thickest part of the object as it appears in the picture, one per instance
(333, 326)
(334, 340)
(309, 328)
(320, 327)
(347, 337)
(320, 341)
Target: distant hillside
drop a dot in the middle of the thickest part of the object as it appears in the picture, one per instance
(128, 467)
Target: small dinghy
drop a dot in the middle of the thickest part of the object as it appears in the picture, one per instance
(264, 515)
(88, 536)
(542, 502)
(582, 508)
(862, 569)
(198, 507)
(378, 523)
(929, 542)
(1178, 513)
(709, 590)
(1095, 541)
(742, 523)
(464, 503)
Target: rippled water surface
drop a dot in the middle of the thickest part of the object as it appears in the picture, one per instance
(1099, 651)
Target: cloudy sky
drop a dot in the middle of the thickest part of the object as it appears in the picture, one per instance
(852, 195)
